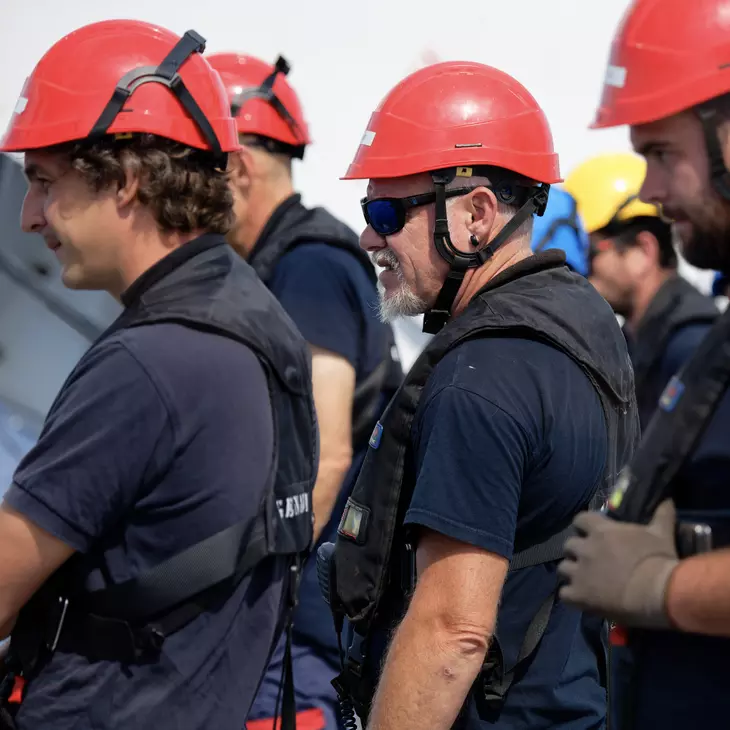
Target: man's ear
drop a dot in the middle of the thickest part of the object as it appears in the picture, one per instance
(642, 257)
(482, 206)
(127, 193)
(649, 246)
(240, 168)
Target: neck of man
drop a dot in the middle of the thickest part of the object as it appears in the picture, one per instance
(644, 295)
(506, 256)
(262, 200)
(146, 249)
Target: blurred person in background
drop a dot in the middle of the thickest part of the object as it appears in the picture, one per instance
(146, 571)
(561, 227)
(314, 266)
(634, 265)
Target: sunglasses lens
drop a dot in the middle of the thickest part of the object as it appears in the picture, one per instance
(383, 216)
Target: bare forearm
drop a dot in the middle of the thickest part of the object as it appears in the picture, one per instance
(426, 678)
(698, 594)
(330, 476)
(333, 384)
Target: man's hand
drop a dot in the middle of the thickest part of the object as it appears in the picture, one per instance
(621, 570)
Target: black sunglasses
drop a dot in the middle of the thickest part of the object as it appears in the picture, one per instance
(387, 216)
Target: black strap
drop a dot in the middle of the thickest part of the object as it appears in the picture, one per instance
(366, 402)
(438, 315)
(492, 686)
(685, 409)
(551, 549)
(224, 557)
(167, 75)
(436, 318)
(495, 680)
(534, 204)
(289, 705)
(545, 552)
(286, 687)
(168, 597)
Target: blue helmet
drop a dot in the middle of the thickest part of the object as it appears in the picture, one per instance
(561, 227)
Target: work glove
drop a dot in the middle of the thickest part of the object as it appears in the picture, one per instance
(621, 570)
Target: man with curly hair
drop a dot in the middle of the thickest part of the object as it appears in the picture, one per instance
(149, 539)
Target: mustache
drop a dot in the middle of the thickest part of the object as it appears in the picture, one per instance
(386, 259)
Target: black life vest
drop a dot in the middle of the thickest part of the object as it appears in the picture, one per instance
(204, 286)
(538, 298)
(292, 225)
(676, 305)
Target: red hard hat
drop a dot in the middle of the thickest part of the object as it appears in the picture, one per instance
(262, 100)
(85, 80)
(453, 114)
(666, 57)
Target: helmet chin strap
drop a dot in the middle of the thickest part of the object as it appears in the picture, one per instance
(536, 200)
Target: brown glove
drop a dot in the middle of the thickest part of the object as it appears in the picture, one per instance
(621, 570)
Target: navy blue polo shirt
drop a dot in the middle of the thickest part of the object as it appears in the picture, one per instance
(162, 437)
(509, 443)
(333, 302)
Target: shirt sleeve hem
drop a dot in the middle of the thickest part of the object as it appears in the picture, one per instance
(323, 342)
(462, 533)
(45, 517)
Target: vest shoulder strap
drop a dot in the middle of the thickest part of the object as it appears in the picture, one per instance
(366, 401)
(129, 621)
(495, 679)
(685, 408)
(491, 687)
(229, 555)
(551, 549)
(544, 552)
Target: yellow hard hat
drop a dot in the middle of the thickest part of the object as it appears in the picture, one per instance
(606, 189)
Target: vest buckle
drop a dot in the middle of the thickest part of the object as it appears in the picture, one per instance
(147, 641)
(57, 622)
(693, 538)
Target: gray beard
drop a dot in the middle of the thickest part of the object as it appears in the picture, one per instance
(401, 303)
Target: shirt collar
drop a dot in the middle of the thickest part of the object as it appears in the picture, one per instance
(168, 264)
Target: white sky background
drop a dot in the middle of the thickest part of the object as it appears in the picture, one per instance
(346, 56)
